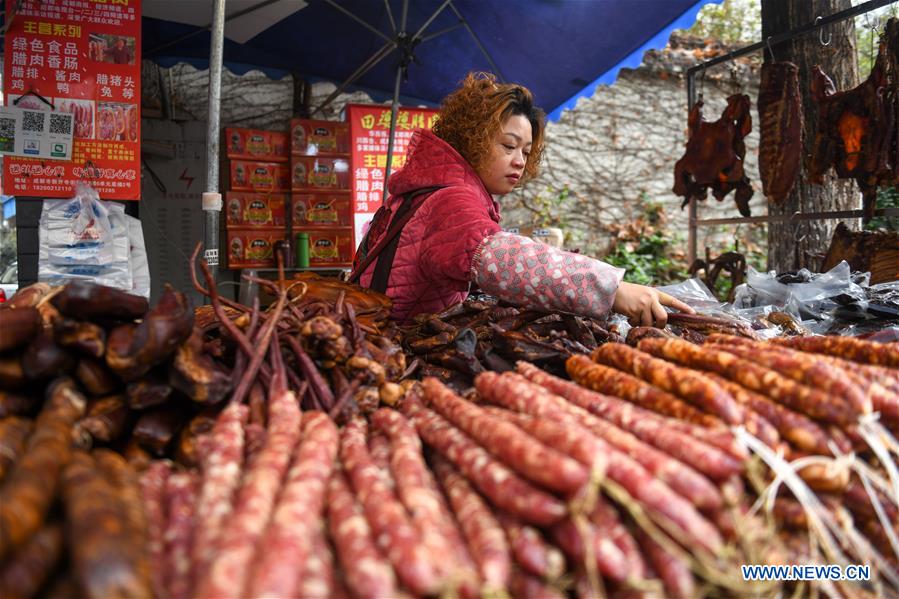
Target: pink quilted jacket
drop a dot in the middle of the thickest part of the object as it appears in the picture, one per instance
(432, 267)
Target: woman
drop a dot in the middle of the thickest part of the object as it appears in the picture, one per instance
(438, 233)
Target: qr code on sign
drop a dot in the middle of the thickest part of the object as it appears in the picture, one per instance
(61, 124)
(7, 127)
(32, 121)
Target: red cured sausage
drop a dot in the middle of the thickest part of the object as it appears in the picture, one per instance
(686, 384)
(562, 424)
(181, 495)
(798, 429)
(417, 489)
(679, 581)
(607, 521)
(529, 457)
(221, 467)
(385, 514)
(800, 367)
(849, 348)
(647, 426)
(575, 539)
(368, 573)
(483, 533)
(532, 553)
(614, 382)
(807, 400)
(227, 576)
(502, 486)
(288, 538)
(153, 492)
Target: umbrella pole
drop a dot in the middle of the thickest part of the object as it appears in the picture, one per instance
(395, 107)
(212, 200)
(394, 110)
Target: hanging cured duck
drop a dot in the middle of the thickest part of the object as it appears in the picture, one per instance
(857, 129)
(714, 155)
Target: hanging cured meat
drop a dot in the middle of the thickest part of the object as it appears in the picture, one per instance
(857, 128)
(714, 156)
(780, 129)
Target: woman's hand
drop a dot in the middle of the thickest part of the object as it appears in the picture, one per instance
(643, 305)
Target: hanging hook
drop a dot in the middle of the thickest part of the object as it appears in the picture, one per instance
(821, 34)
(797, 227)
(770, 50)
(870, 26)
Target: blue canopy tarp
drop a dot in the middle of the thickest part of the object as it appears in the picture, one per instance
(560, 49)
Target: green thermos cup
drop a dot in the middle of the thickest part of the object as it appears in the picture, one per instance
(302, 250)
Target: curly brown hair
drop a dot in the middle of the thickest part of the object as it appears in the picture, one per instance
(472, 116)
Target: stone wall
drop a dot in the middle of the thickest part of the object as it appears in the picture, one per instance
(616, 150)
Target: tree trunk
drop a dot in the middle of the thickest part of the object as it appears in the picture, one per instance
(801, 243)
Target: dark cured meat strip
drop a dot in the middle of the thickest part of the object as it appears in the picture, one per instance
(107, 557)
(30, 487)
(21, 576)
(14, 433)
(780, 129)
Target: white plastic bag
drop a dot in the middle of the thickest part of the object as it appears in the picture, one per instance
(77, 231)
(84, 238)
(140, 267)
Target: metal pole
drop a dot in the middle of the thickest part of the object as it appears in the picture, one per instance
(789, 35)
(212, 203)
(395, 107)
(394, 110)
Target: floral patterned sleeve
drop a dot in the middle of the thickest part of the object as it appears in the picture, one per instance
(525, 272)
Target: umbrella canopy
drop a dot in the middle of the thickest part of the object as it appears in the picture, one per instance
(560, 49)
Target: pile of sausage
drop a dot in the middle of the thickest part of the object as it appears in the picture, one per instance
(536, 486)
(71, 519)
(478, 335)
(145, 373)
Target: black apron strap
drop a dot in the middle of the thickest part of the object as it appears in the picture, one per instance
(385, 250)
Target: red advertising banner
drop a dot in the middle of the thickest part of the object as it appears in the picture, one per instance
(83, 56)
(369, 137)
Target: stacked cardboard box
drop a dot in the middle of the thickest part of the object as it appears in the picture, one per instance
(320, 173)
(257, 197)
